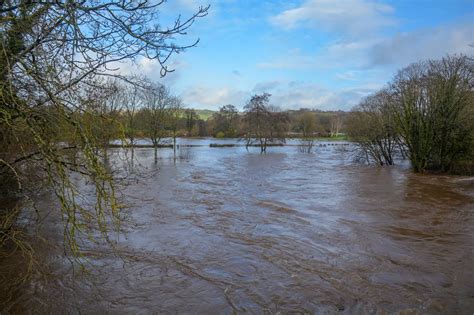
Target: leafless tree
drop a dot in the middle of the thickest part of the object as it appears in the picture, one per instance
(264, 124)
(371, 126)
(156, 98)
(431, 103)
(336, 125)
(132, 98)
(174, 112)
(102, 105)
(451, 86)
(307, 127)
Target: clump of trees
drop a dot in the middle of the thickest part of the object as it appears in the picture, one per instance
(326, 123)
(226, 122)
(192, 120)
(426, 112)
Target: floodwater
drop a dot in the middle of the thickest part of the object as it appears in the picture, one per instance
(225, 230)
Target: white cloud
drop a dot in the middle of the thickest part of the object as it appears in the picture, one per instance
(335, 55)
(151, 69)
(205, 97)
(294, 95)
(346, 76)
(434, 43)
(265, 87)
(376, 52)
(286, 95)
(354, 17)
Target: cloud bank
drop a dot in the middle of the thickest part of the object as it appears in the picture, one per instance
(353, 17)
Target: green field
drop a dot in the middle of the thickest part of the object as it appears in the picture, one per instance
(204, 114)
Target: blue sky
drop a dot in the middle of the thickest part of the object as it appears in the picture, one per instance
(323, 54)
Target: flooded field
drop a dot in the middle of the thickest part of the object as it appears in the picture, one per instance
(223, 230)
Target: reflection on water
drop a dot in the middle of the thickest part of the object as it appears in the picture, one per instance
(224, 230)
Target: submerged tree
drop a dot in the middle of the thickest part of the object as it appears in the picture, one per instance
(174, 112)
(156, 98)
(52, 51)
(371, 126)
(426, 113)
(264, 124)
(413, 114)
(431, 103)
(307, 127)
(131, 101)
(451, 90)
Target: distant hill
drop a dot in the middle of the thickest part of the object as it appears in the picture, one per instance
(204, 114)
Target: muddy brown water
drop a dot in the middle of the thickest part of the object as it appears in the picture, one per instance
(225, 231)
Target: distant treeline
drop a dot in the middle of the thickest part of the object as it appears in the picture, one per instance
(142, 109)
(149, 118)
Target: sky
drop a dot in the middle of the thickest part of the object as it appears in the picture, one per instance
(321, 54)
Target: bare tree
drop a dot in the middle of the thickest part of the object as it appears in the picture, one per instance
(371, 126)
(264, 124)
(101, 106)
(132, 97)
(413, 113)
(431, 102)
(336, 125)
(451, 84)
(174, 112)
(156, 98)
(307, 127)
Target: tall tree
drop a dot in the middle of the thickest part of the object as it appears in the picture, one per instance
(156, 98)
(132, 101)
(174, 112)
(431, 101)
(307, 126)
(191, 118)
(451, 83)
(264, 124)
(336, 124)
(102, 105)
(371, 126)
